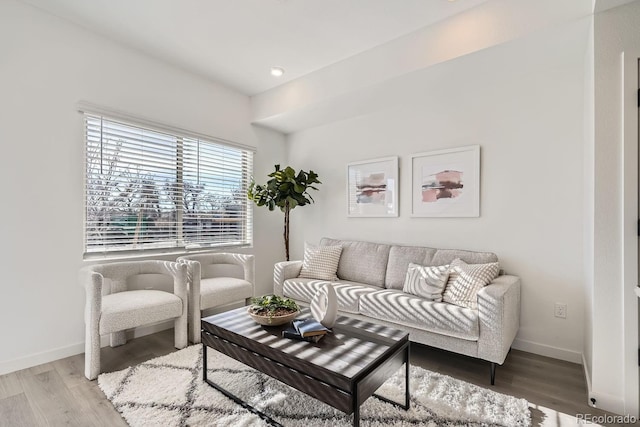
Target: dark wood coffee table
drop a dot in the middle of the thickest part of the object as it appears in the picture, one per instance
(343, 369)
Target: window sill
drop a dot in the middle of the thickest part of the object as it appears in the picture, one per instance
(155, 254)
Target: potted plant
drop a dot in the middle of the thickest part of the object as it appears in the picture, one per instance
(273, 310)
(286, 189)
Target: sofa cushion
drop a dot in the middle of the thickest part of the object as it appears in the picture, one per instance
(409, 310)
(348, 293)
(446, 256)
(361, 262)
(320, 262)
(465, 280)
(427, 282)
(399, 259)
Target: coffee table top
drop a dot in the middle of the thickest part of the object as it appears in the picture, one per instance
(347, 352)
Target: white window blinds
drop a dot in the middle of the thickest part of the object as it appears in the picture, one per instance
(150, 189)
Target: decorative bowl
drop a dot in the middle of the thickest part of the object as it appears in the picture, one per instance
(272, 320)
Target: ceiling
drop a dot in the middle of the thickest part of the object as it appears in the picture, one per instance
(236, 42)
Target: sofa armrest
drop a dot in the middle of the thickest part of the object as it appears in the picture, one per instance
(283, 271)
(499, 317)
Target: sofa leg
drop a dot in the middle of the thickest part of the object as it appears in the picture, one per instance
(493, 373)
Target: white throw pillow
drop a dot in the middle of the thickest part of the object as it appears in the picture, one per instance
(320, 262)
(465, 280)
(426, 281)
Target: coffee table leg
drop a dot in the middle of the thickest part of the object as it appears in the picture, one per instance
(406, 384)
(204, 362)
(356, 407)
(406, 378)
(232, 396)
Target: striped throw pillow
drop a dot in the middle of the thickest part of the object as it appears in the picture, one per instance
(465, 280)
(426, 281)
(320, 262)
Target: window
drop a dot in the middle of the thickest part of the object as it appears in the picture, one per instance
(149, 188)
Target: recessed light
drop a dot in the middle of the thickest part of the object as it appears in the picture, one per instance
(277, 71)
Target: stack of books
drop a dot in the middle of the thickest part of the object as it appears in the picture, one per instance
(306, 330)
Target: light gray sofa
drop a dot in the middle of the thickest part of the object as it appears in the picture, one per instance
(369, 287)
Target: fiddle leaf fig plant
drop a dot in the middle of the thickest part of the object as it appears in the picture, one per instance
(286, 189)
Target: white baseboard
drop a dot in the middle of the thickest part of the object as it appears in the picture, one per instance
(548, 351)
(607, 402)
(587, 376)
(36, 359)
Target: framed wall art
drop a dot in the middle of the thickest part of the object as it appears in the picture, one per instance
(446, 183)
(372, 188)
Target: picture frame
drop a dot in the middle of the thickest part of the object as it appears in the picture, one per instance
(446, 183)
(372, 188)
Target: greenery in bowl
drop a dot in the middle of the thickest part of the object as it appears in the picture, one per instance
(273, 305)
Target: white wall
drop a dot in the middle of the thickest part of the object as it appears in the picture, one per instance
(614, 369)
(46, 67)
(523, 103)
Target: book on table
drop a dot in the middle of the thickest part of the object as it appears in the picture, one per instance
(309, 327)
(292, 333)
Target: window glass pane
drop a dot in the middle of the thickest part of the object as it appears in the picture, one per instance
(215, 182)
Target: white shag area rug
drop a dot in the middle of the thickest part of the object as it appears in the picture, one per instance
(169, 391)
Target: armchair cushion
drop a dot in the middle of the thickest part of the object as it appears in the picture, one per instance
(215, 291)
(128, 309)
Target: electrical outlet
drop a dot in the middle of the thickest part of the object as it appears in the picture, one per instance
(561, 310)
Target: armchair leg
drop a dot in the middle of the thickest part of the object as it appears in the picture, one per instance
(117, 338)
(91, 354)
(194, 327)
(493, 373)
(193, 334)
(180, 332)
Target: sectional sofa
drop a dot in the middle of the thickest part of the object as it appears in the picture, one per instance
(369, 284)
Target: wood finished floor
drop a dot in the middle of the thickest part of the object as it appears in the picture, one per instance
(57, 393)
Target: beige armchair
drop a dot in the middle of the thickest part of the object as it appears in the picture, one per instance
(207, 291)
(112, 307)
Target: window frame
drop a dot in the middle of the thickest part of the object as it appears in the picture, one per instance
(182, 245)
